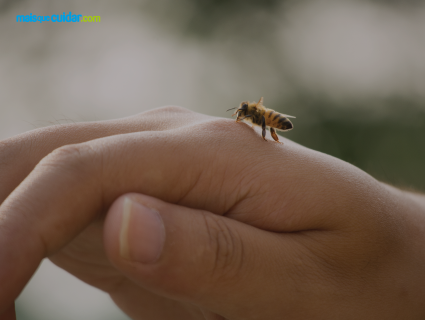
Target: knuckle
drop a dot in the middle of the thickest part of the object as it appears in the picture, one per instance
(222, 126)
(225, 249)
(65, 153)
(169, 109)
(75, 157)
(166, 118)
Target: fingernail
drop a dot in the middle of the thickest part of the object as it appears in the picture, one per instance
(142, 233)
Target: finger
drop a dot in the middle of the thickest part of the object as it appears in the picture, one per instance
(194, 256)
(20, 154)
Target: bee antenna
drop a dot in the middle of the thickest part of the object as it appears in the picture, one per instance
(231, 109)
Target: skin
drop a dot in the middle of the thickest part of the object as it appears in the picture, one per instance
(252, 230)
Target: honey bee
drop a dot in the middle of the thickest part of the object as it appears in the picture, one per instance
(259, 115)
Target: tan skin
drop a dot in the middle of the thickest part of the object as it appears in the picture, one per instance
(253, 230)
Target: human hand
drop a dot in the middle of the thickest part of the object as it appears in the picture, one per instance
(251, 230)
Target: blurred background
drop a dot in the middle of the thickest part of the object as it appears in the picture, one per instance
(351, 71)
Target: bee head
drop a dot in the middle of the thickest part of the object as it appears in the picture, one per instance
(244, 105)
(243, 108)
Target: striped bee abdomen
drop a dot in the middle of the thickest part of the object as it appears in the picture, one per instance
(285, 125)
(277, 120)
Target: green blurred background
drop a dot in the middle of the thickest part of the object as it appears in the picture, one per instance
(351, 71)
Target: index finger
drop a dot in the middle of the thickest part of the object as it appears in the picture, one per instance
(20, 154)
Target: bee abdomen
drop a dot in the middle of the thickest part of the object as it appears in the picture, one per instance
(278, 121)
(284, 124)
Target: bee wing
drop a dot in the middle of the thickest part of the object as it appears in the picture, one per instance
(287, 116)
(260, 102)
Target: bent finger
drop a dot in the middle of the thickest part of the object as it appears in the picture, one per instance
(20, 154)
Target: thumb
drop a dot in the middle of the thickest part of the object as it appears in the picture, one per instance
(196, 256)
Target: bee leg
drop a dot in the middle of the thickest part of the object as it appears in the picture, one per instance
(237, 120)
(236, 112)
(263, 125)
(274, 135)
